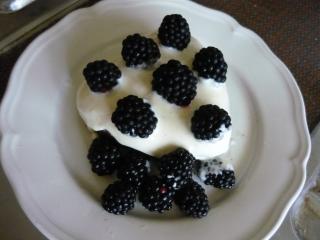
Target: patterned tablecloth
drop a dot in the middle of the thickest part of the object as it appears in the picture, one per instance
(291, 28)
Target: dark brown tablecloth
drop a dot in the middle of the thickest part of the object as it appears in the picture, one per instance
(291, 28)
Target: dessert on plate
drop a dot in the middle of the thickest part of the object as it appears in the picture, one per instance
(159, 107)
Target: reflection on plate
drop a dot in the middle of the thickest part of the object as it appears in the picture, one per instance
(45, 142)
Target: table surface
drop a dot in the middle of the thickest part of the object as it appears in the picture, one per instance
(289, 27)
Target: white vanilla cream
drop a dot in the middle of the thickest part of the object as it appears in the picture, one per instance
(174, 122)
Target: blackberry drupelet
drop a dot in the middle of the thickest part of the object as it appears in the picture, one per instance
(209, 63)
(103, 155)
(139, 51)
(176, 167)
(192, 200)
(156, 194)
(134, 117)
(101, 75)
(174, 32)
(119, 198)
(208, 122)
(175, 82)
(134, 170)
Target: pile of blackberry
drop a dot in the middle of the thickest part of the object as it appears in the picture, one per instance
(174, 182)
(174, 178)
(173, 81)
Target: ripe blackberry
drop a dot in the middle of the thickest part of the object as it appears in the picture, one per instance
(139, 51)
(215, 173)
(176, 167)
(156, 194)
(101, 75)
(104, 156)
(175, 82)
(209, 63)
(192, 200)
(133, 170)
(119, 198)
(209, 122)
(174, 32)
(134, 117)
(223, 180)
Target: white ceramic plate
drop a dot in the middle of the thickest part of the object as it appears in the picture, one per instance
(44, 141)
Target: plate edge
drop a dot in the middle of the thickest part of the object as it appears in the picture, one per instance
(14, 81)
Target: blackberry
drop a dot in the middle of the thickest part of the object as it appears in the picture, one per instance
(209, 63)
(101, 75)
(134, 117)
(133, 170)
(104, 156)
(139, 51)
(209, 121)
(215, 173)
(176, 167)
(156, 194)
(192, 200)
(175, 82)
(223, 180)
(119, 198)
(174, 32)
